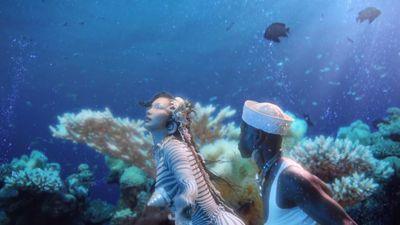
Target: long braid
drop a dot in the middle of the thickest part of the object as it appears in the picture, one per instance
(181, 110)
(187, 137)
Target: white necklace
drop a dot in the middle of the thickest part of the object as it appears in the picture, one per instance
(260, 177)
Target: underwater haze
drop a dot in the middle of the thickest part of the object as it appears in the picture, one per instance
(64, 56)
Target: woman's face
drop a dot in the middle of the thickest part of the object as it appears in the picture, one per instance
(157, 114)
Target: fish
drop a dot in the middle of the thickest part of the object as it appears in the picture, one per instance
(308, 120)
(276, 31)
(350, 40)
(230, 25)
(369, 13)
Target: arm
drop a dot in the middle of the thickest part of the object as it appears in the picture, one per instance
(178, 159)
(309, 193)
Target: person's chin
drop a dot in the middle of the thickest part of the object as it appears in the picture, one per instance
(147, 127)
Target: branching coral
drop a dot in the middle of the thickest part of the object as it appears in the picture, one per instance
(351, 189)
(78, 184)
(135, 186)
(337, 162)
(206, 128)
(33, 173)
(35, 180)
(240, 190)
(120, 138)
(34, 189)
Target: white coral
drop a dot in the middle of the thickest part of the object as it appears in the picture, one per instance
(337, 161)
(352, 189)
(36, 180)
(120, 138)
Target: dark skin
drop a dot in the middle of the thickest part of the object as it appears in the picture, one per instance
(296, 186)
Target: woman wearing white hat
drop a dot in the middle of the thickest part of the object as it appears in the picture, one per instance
(291, 195)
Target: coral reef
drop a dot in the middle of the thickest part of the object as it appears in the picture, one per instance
(357, 131)
(4, 219)
(239, 189)
(34, 180)
(33, 193)
(34, 174)
(135, 188)
(120, 138)
(349, 190)
(98, 212)
(385, 142)
(79, 184)
(346, 164)
(349, 168)
(296, 132)
(206, 128)
(107, 135)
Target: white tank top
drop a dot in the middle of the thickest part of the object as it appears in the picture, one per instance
(291, 216)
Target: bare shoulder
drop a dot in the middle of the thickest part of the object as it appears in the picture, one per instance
(299, 181)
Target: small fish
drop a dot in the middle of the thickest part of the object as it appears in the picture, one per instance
(325, 69)
(308, 120)
(369, 13)
(65, 24)
(230, 25)
(82, 23)
(276, 31)
(350, 40)
(213, 99)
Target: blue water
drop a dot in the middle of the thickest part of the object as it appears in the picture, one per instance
(63, 56)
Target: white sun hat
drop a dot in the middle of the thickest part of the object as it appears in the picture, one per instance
(266, 116)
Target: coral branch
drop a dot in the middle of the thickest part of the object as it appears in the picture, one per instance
(120, 138)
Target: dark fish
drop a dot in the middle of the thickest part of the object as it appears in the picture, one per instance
(308, 120)
(350, 40)
(65, 24)
(275, 31)
(82, 23)
(370, 14)
(394, 137)
(230, 25)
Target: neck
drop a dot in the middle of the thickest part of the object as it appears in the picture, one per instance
(264, 156)
(158, 136)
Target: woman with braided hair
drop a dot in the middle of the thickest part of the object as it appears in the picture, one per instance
(182, 183)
